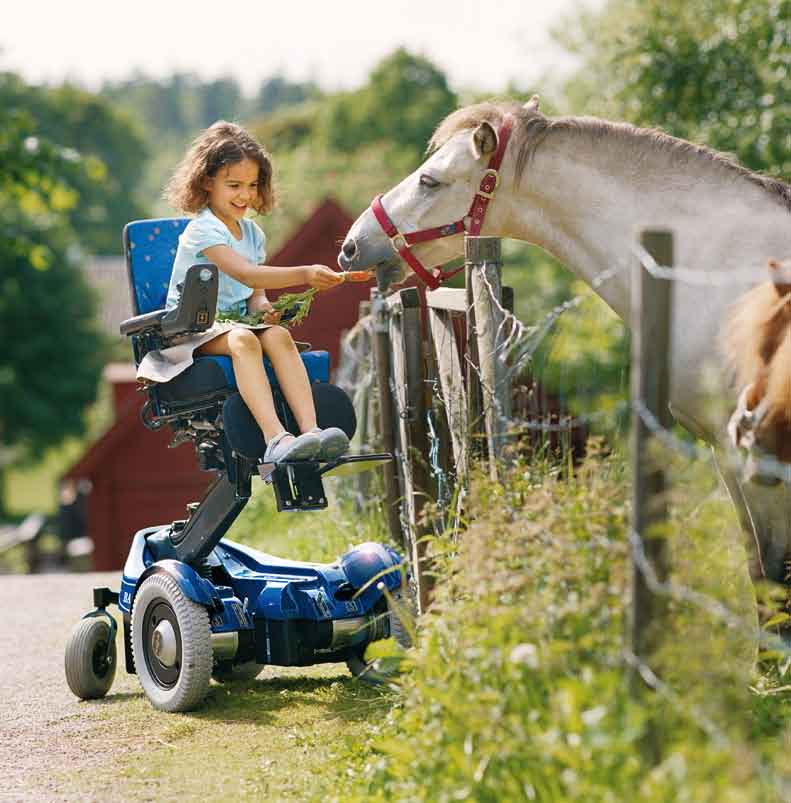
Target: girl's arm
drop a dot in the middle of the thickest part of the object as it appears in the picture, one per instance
(268, 277)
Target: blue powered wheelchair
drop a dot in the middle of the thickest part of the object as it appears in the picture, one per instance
(195, 606)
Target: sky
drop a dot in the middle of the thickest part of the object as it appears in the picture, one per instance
(478, 45)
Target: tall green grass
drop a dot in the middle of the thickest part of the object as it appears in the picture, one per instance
(316, 536)
(518, 688)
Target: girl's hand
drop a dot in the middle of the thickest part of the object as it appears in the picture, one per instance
(270, 315)
(321, 277)
(258, 302)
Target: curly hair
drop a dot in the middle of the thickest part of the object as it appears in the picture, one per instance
(220, 145)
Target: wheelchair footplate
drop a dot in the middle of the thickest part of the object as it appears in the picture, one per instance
(298, 484)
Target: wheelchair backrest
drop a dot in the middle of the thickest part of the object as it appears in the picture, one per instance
(150, 248)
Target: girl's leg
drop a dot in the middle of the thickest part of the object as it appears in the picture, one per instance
(279, 347)
(244, 349)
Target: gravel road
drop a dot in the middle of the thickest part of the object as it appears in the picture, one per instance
(44, 730)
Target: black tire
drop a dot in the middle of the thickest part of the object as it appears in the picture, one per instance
(171, 644)
(90, 669)
(236, 673)
(401, 609)
(402, 617)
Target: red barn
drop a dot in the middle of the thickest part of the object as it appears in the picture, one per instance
(333, 311)
(137, 481)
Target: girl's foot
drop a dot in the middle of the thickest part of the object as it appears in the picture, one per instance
(285, 448)
(333, 442)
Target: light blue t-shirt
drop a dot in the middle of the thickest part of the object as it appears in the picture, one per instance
(204, 231)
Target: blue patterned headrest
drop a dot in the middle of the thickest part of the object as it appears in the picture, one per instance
(150, 248)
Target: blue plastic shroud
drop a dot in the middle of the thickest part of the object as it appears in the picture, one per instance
(264, 593)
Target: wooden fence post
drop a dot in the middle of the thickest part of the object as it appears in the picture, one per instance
(379, 312)
(484, 256)
(651, 316)
(409, 386)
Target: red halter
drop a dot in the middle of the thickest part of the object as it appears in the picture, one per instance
(402, 242)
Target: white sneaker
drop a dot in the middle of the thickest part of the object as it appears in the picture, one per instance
(333, 442)
(304, 447)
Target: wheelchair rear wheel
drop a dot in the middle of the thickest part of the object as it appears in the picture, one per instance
(401, 610)
(171, 643)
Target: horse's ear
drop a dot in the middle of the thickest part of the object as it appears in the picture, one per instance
(532, 104)
(484, 140)
(780, 273)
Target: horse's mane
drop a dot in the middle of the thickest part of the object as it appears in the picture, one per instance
(752, 322)
(533, 128)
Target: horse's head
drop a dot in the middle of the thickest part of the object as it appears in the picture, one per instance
(760, 351)
(423, 218)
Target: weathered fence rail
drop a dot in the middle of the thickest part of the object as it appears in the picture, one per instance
(444, 367)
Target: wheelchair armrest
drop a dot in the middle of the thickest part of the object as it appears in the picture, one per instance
(194, 313)
(140, 323)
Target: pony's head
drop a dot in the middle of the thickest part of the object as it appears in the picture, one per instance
(757, 342)
(438, 196)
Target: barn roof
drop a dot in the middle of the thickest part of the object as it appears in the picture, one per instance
(326, 221)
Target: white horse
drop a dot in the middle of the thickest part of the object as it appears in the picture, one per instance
(581, 188)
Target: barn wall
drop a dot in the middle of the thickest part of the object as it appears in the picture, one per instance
(137, 482)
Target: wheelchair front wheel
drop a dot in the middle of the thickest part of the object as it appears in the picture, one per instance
(90, 659)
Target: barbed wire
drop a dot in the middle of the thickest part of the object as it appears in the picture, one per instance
(515, 347)
(701, 277)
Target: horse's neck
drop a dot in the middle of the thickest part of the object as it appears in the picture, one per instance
(584, 201)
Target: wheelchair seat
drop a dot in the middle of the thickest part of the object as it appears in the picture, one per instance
(150, 248)
(202, 404)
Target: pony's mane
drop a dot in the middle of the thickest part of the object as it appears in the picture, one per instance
(533, 127)
(743, 338)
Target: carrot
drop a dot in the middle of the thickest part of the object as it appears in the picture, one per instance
(357, 275)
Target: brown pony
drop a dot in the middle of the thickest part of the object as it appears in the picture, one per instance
(757, 344)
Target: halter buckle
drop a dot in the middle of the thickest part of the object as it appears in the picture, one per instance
(398, 241)
(489, 172)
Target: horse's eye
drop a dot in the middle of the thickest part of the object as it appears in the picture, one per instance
(428, 181)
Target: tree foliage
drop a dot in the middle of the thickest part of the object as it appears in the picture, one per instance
(715, 71)
(51, 356)
(402, 102)
(111, 152)
(177, 107)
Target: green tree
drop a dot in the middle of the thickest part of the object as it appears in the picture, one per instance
(110, 146)
(278, 92)
(404, 99)
(220, 100)
(52, 356)
(713, 71)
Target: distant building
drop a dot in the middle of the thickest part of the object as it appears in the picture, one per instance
(137, 480)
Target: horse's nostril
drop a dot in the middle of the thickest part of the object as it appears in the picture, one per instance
(349, 249)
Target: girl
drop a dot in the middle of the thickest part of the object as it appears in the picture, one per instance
(225, 173)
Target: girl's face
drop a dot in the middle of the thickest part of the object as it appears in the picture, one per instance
(232, 190)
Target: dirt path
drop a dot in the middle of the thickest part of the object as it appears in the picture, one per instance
(273, 738)
(43, 729)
